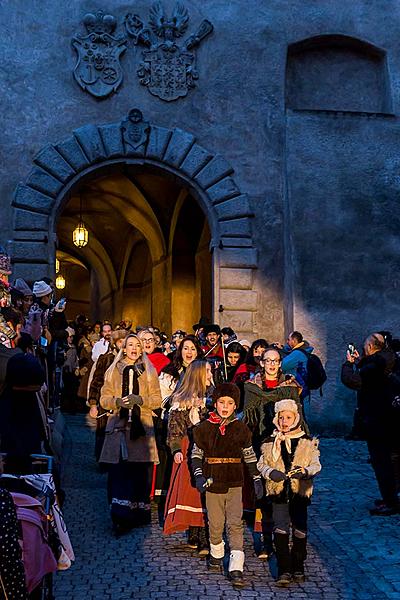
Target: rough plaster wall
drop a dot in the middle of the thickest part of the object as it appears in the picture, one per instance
(345, 223)
(237, 109)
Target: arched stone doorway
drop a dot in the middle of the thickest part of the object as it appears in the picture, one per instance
(99, 154)
(148, 258)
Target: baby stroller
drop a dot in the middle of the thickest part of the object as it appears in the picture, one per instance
(41, 521)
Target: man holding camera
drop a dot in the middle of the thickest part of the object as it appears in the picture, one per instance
(379, 417)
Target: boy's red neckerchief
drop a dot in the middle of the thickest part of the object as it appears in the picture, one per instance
(216, 419)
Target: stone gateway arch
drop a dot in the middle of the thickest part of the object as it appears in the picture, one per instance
(62, 166)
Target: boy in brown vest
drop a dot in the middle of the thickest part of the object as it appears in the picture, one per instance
(222, 443)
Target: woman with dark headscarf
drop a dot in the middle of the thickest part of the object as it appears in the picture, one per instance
(235, 356)
(252, 363)
(131, 391)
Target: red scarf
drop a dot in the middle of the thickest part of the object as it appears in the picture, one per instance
(216, 419)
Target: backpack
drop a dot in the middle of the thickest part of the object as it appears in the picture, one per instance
(316, 375)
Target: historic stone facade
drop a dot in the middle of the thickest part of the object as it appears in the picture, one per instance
(288, 142)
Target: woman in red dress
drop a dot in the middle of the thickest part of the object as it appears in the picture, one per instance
(184, 507)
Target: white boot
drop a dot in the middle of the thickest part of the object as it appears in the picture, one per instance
(235, 569)
(236, 560)
(217, 550)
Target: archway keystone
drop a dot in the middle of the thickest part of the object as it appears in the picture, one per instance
(59, 167)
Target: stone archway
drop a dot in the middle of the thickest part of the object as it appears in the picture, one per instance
(58, 167)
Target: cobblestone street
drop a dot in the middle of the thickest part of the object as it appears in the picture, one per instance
(350, 554)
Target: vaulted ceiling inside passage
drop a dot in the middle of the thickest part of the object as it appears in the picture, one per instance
(133, 206)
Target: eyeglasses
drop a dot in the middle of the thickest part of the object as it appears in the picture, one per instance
(271, 361)
(148, 339)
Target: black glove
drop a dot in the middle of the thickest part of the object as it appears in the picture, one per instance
(200, 483)
(258, 488)
(129, 401)
(300, 474)
(277, 476)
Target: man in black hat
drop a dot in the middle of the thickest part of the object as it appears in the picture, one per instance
(213, 347)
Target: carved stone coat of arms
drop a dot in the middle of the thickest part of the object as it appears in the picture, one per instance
(168, 67)
(98, 69)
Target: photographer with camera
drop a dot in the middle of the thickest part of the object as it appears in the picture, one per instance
(378, 418)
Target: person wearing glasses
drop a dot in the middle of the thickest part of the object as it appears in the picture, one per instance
(154, 354)
(268, 386)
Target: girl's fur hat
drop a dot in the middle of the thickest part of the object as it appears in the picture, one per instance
(227, 389)
(288, 404)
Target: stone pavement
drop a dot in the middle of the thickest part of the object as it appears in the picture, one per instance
(350, 555)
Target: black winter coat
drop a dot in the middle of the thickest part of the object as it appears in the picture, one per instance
(377, 415)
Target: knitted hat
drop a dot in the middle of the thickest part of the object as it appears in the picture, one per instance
(288, 404)
(70, 331)
(41, 288)
(21, 285)
(227, 389)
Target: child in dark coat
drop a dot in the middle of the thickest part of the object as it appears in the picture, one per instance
(222, 443)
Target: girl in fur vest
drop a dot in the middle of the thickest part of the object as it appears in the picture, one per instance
(289, 462)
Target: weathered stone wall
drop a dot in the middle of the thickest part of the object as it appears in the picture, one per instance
(323, 185)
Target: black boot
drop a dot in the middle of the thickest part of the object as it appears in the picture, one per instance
(214, 564)
(203, 546)
(283, 557)
(299, 555)
(193, 537)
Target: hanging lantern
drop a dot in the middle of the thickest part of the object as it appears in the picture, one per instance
(57, 265)
(80, 235)
(60, 282)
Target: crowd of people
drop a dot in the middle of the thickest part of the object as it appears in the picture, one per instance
(210, 426)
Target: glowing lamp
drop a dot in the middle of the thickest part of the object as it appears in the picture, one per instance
(60, 282)
(80, 235)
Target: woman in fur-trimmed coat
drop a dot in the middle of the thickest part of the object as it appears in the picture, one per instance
(131, 391)
(289, 462)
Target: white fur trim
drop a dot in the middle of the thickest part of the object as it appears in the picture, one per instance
(217, 550)
(236, 560)
(286, 405)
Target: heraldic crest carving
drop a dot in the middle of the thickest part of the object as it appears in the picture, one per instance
(98, 70)
(135, 132)
(168, 68)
